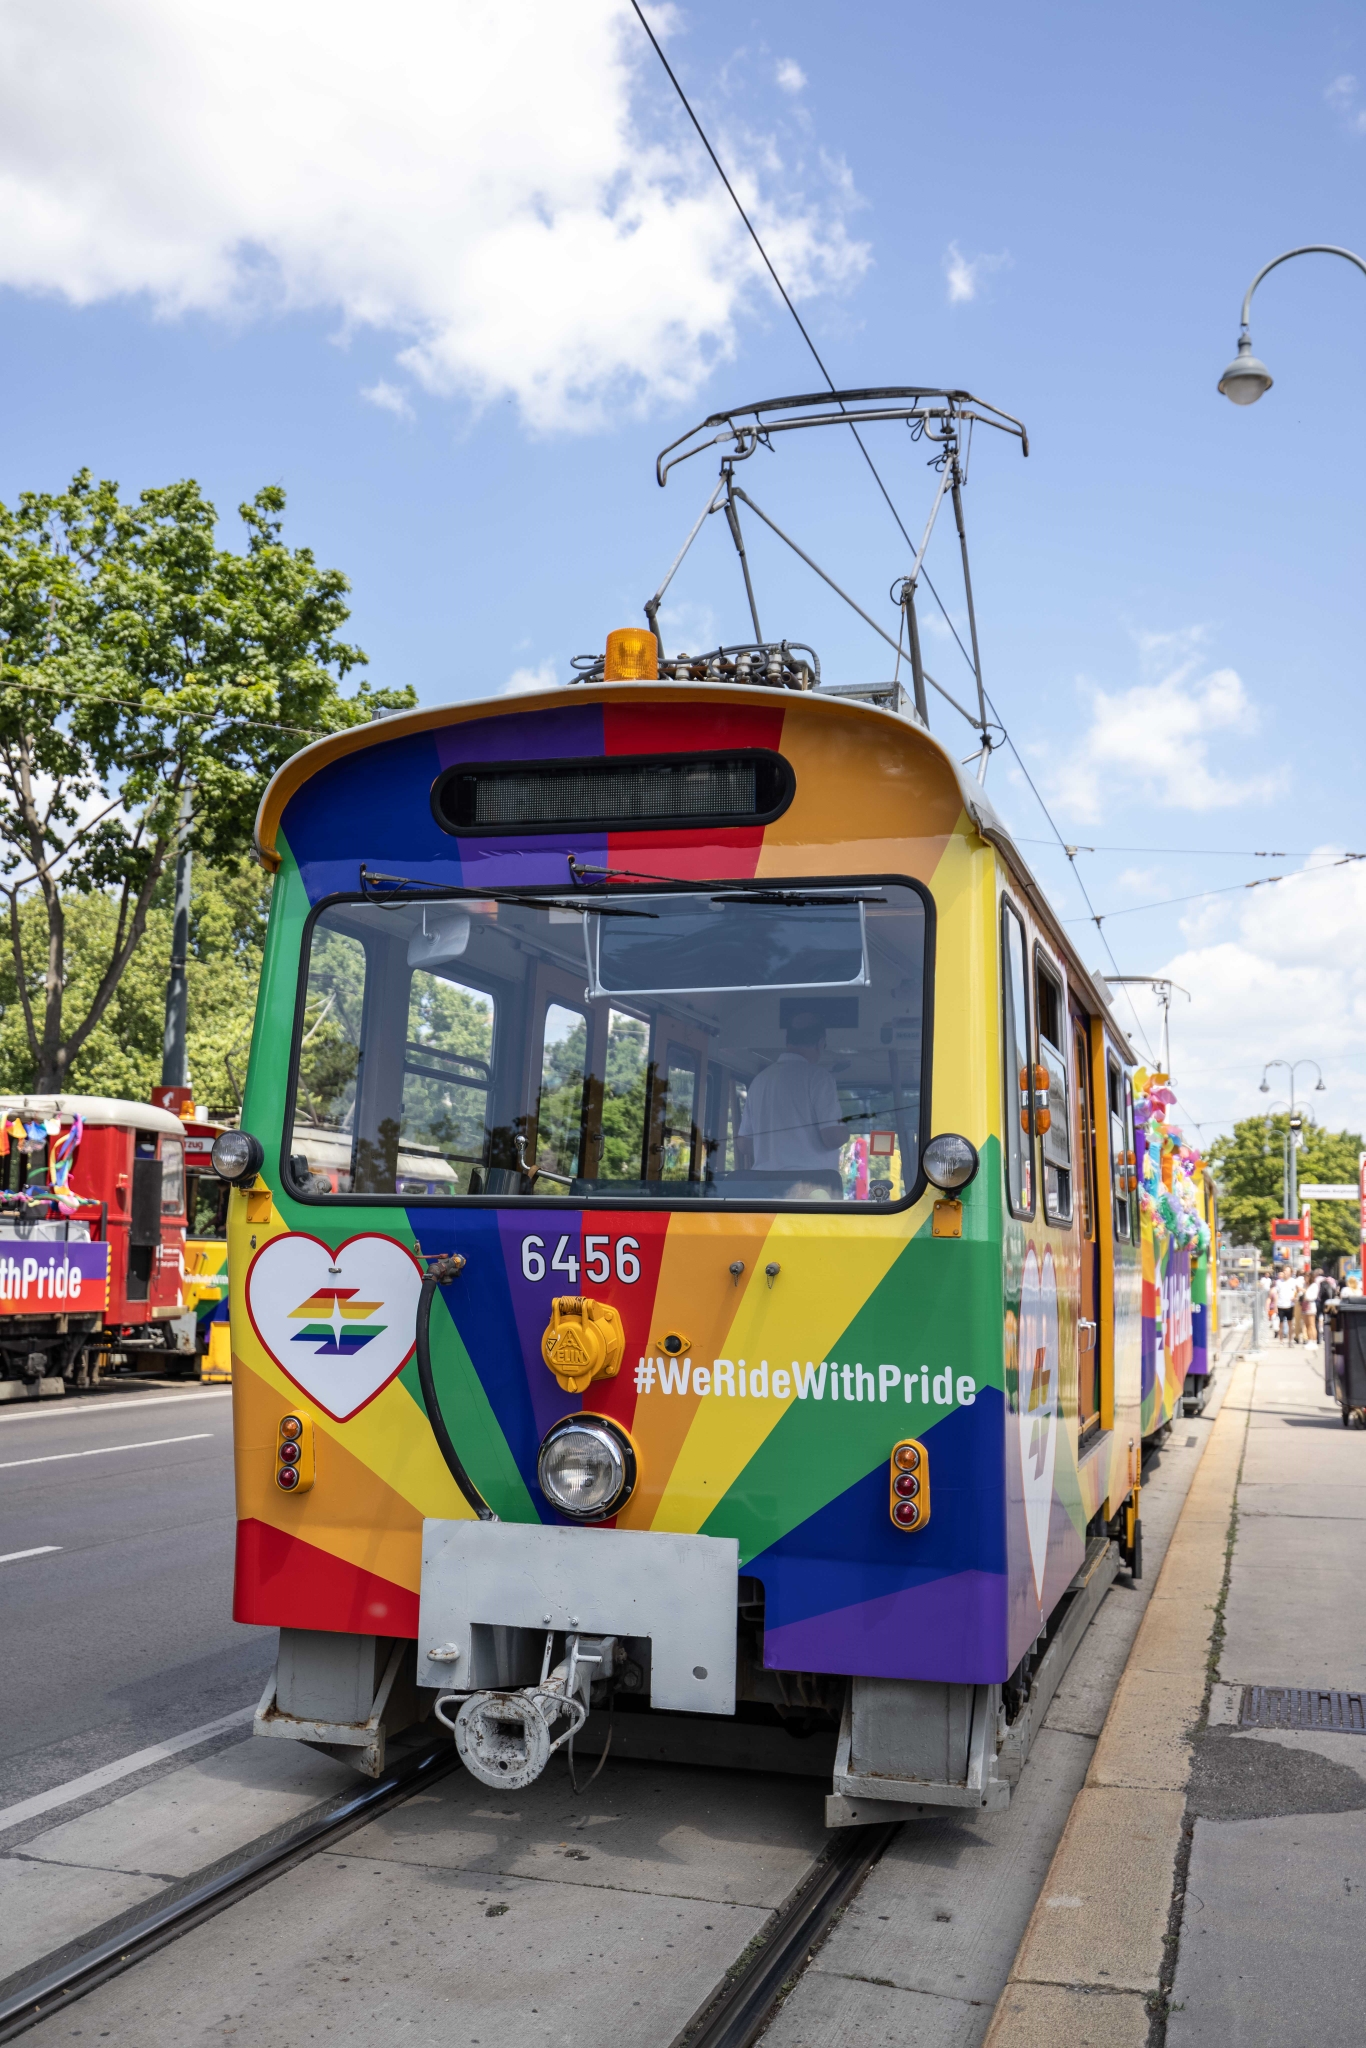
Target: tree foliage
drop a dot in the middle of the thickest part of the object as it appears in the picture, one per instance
(150, 682)
(1249, 1167)
(122, 1053)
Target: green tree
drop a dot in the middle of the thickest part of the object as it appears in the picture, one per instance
(122, 1053)
(150, 682)
(1249, 1167)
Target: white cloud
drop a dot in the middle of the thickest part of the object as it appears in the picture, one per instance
(1282, 975)
(790, 75)
(523, 681)
(1342, 96)
(468, 180)
(965, 273)
(1154, 738)
(388, 398)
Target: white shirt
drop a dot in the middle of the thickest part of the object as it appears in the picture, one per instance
(784, 1108)
(1286, 1290)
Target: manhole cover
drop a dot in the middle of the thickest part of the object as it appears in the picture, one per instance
(1296, 1706)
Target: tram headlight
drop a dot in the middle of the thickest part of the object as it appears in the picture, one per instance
(950, 1162)
(237, 1157)
(587, 1467)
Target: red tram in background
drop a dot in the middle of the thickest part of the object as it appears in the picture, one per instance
(92, 1242)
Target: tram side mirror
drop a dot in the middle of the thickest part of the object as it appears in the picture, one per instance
(443, 936)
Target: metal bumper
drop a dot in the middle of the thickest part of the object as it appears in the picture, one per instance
(677, 1591)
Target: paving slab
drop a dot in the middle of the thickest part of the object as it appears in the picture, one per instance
(350, 1950)
(836, 2012)
(200, 1812)
(1060, 2016)
(1295, 1615)
(1146, 1739)
(1108, 1892)
(40, 1908)
(720, 1835)
(1082, 1701)
(1273, 1944)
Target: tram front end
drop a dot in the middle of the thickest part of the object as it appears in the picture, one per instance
(625, 1309)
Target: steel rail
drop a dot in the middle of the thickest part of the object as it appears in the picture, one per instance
(737, 2013)
(159, 1925)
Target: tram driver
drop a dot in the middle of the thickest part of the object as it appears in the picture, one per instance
(791, 1121)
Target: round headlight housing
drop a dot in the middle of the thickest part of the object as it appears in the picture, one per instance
(586, 1467)
(237, 1156)
(950, 1162)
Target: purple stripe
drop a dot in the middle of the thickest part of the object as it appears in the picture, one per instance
(571, 734)
(951, 1630)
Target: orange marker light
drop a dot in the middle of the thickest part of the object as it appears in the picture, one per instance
(909, 1501)
(632, 656)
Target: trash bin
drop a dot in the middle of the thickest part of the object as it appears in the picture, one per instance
(1348, 1342)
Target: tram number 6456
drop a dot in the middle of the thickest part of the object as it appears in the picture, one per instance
(600, 1255)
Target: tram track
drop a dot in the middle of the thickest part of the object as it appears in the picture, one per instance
(139, 1934)
(732, 2016)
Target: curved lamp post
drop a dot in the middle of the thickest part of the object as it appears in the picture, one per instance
(1245, 379)
(1292, 1199)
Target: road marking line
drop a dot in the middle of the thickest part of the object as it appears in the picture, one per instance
(40, 1550)
(99, 1404)
(109, 1774)
(103, 1451)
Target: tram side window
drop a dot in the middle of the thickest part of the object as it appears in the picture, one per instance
(1085, 1132)
(1121, 1147)
(172, 1177)
(1019, 1094)
(1052, 1111)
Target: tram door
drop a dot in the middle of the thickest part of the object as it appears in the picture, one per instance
(1088, 1312)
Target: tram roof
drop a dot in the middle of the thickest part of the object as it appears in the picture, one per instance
(301, 767)
(94, 1109)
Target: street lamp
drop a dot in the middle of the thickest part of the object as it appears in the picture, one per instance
(1245, 379)
(1292, 1196)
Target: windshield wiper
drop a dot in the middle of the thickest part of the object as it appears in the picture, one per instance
(789, 896)
(398, 885)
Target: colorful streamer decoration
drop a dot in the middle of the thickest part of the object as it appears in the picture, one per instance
(1169, 1184)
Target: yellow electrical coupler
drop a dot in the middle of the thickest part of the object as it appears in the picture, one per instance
(260, 1203)
(948, 1219)
(583, 1342)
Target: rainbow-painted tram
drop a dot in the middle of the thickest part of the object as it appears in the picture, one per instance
(685, 1251)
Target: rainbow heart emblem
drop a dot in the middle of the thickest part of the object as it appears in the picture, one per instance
(340, 1324)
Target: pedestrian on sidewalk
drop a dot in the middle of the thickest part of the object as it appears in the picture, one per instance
(1286, 1291)
(1309, 1307)
(1328, 1288)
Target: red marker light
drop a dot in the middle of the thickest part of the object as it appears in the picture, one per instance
(289, 1454)
(287, 1477)
(908, 1501)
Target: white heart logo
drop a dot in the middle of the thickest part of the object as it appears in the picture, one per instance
(1037, 1417)
(339, 1324)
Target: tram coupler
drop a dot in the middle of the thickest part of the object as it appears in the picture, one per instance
(506, 1738)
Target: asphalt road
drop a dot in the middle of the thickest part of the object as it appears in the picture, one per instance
(121, 1635)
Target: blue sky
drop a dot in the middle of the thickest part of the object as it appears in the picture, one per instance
(220, 234)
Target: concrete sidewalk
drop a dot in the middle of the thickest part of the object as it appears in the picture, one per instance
(1273, 1921)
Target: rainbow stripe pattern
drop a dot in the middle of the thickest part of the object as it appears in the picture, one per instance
(776, 1425)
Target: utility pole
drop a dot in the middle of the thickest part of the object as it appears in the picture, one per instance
(175, 1058)
(1162, 988)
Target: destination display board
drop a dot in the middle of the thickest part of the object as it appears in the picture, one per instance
(53, 1279)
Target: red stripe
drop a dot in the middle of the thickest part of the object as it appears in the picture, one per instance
(679, 728)
(282, 1582)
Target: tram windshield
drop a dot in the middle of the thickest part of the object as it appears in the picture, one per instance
(746, 1043)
